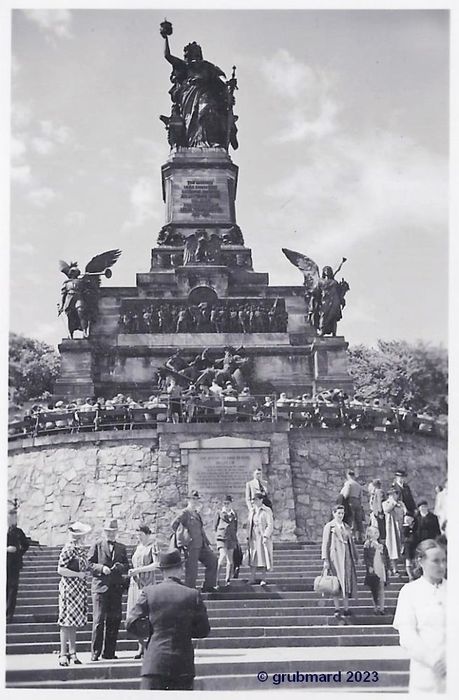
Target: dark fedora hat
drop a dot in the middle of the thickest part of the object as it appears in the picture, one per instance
(400, 472)
(170, 560)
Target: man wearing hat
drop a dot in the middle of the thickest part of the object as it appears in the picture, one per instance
(108, 562)
(404, 491)
(17, 545)
(192, 537)
(175, 614)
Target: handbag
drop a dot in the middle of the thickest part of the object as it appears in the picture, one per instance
(327, 585)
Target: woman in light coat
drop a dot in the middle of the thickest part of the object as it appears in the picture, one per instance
(340, 558)
(395, 512)
(420, 619)
(260, 537)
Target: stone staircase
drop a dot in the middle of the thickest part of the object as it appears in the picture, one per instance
(282, 628)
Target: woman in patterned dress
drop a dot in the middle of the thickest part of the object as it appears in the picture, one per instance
(144, 562)
(73, 604)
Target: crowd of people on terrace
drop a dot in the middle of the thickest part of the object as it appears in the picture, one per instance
(217, 402)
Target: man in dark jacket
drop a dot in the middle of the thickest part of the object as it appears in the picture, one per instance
(17, 545)
(167, 616)
(194, 540)
(404, 491)
(108, 563)
(427, 525)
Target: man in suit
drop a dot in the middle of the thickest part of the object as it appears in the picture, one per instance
(108, 562)
(256, 485)
(166, 617)
(194, 541)
(427, 526)
(17, 545)
(404, 491)
(352, 494)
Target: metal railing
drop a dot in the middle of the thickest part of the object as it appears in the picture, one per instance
(164, 408)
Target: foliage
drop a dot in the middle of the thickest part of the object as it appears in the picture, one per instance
(33, 366)
(402, 374)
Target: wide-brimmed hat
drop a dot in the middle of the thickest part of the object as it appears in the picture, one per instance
(400, 472)
(170, 560)
(78, 528)
(110, 524)
(195, 495)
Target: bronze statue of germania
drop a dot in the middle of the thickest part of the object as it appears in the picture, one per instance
(202, 100)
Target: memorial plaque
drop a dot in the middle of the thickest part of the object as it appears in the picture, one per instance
(200, 198)
(220, 471)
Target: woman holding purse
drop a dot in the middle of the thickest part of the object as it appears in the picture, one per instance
(340, 558)
(144, 562)
(73, 603)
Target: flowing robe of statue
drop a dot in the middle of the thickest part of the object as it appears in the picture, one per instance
(200, 95)
(330, 296)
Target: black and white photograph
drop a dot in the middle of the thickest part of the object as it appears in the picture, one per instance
(228, 349)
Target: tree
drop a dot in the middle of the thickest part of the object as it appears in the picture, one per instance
(402, 374)
(33, 366)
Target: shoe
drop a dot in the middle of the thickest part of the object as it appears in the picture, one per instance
(337, 614)
(94, 657)
(347, 613)
(382, 612)
(64, 660)
(263, 583)
(109, 657)
(211, 589)
(139, 656)
(73, 657)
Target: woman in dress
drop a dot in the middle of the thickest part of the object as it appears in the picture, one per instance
(376, 562)
(144, 562)
(395, 512)
(226, 536)
(260, 542)
(377, 517)
(420, 619)
(340, 558)
(73, 603)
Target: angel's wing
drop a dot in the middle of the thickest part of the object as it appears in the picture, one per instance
(64, 267)
(191, 246)
(99, 263)
(308, 267)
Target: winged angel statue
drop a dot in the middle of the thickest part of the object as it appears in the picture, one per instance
(324, 295)
(80, 292)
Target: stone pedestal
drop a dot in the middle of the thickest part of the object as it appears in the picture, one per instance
(76, 378)
(199, 188)
(331, 364)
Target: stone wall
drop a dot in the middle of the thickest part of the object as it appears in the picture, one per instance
(319, 459)
(135, 476)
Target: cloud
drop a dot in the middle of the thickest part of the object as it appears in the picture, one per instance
(55, 23)
(21, 174)
(41, 197)
(353, 188)
(144, 202)
(23, 248)
(311, 109)
(75, 218)
(50, 136)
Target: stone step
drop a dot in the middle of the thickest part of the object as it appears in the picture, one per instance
(264, 617)
(130, 667)
(389, 681)
(249, 627)
(351, 638)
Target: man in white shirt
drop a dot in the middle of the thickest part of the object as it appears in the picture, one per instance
(256, 485)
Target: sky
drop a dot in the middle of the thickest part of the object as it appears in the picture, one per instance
(343, 133)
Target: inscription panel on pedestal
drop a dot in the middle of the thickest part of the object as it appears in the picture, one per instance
(220, 471)
(200, 198)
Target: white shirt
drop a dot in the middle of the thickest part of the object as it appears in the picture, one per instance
(420, 618)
